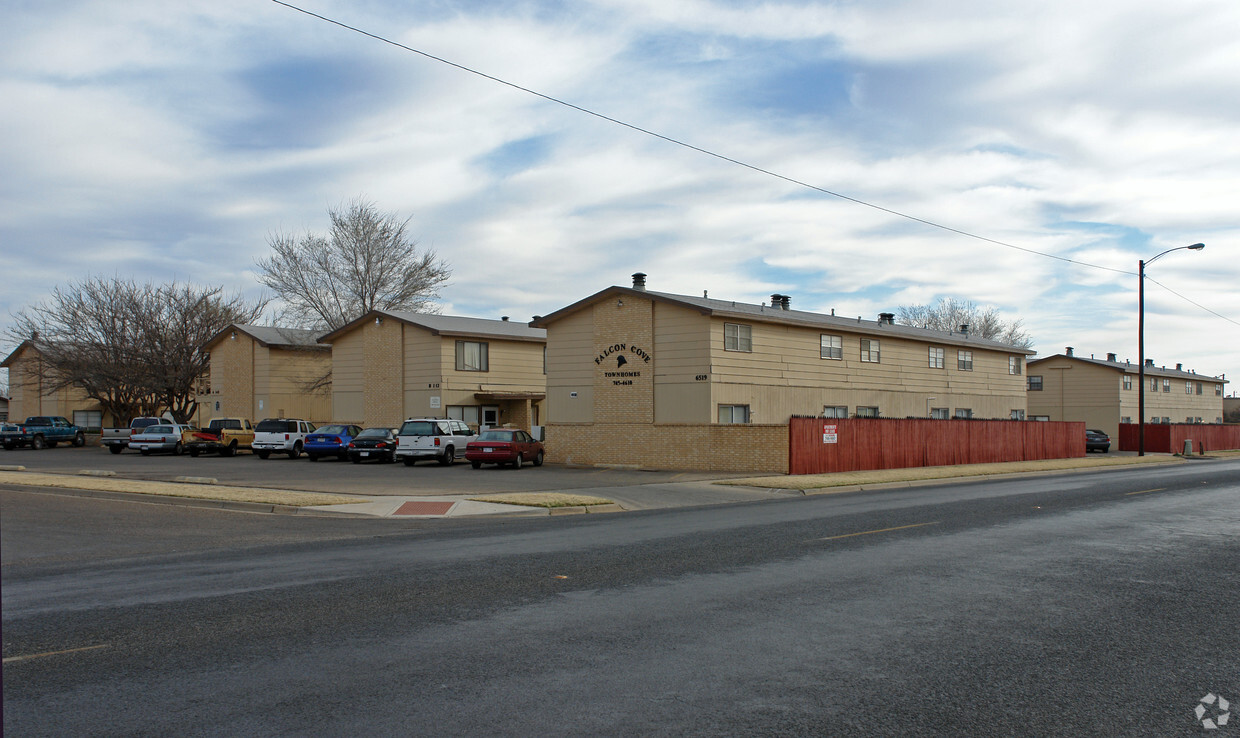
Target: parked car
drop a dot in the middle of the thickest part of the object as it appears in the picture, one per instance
(42, 431)
(440, 439)
(373, 443)
(504, 446)
(281, 435)
(224, 436)
(330, 440)
(117, 439)
(1096, 440)
(162, 437)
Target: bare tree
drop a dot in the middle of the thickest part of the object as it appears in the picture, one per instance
(135, 348)
(365, 262)
(948, 314)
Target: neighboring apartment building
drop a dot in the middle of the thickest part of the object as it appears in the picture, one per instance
(4, 408)
(267, 372)
(31, 392)
(1103, 393)
(627, 363)
(391, 365)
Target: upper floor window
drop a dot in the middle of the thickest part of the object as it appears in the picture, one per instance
(832, 347)
(869, 350)
(1035, 383)
(1188, 388)
(1198, 387)
(964, 361)
(737, 337)
(936, 358)
(1166, 385)
(1218, 392)
(1014, 365)
(1153, 384)
(1127, 381)
(471, 356)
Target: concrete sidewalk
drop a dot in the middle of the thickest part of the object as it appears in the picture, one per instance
(444, 507)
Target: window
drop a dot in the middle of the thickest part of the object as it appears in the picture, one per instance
(88, 419)
(835, 411)
(867, 412)
(1188, 388)
(964, 413)
(737, 337)
(1198, 387)
(1035, 383)
(939, 413)
(1153, 384)
(466, 413)
(1018, 415)
(832, 347)
(471, 356)
(1218, 391)
(1014, 365)
(1166, 385)
(936, 358)
(1125, 419)
(1127, 381)
(964, 361)
(734, 413)
(869, 350)
(1040, 418)
(1166, 420)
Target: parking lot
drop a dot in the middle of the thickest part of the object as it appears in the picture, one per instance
(634, 488)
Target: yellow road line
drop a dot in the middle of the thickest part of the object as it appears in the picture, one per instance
(53, 653)
(1130, 494)
(880, 530)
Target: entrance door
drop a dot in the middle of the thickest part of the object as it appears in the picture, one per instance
(490, 416)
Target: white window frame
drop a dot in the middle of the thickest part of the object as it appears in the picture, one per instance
(964, 360)
(482, 358)
(835, 411)
(1015, 365)
(871, 351)
(963, 413)
(1166, 385)
(1017, 414)
(831, 347)
(732, 411)
(936, 359)
(940, 413)
(1127, 381)
(868, 411)
(738, 337)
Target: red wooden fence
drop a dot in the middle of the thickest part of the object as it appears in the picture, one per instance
(887, 443)
(1169, 438)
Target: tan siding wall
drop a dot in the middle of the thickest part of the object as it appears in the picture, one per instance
(348, 379)
(570, 366)
(625, 367)
(683, 371)
(290, 372)
(29, 394)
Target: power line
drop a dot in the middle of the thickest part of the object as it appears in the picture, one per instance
(731, 160)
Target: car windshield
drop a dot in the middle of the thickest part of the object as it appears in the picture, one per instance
(145, 422)
(418, 428)
(333, 429)
(374, 433)
(494, 435)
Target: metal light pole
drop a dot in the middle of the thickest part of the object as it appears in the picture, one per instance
(1141, 341)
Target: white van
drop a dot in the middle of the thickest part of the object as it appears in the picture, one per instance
(442, 439)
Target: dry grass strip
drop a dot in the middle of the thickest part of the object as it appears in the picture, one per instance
(882, 476)
(176, 489)
(542, 499)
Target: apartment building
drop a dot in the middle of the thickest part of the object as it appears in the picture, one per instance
(267, 372)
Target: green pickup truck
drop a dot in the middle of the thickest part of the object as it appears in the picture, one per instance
(42, 431)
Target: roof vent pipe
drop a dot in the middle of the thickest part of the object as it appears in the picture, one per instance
(964, 328)
(784, 302)
(1149, 362)
(504, 318)
(1179, 367)
(1110, 357)
(886, 318)
(777, 301)
(639, 281)
(1068, 350)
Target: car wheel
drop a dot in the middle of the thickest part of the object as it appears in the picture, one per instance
(296, 451)
(343, 457)
(538, 460)
(476, 464)
(52, 444)
(144, 451)
(410, 461)
(230, 449)
(178, 449)
(116, 449)
(37, 443)
(312, 457)
(356, 459)
(193, 452)
(79, 440)
(10, 446)
(264, 454)
(448, 457)
(516, 463)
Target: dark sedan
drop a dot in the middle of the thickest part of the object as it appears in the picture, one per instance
(1096, 440)
(330, 440)
(504, 446)
(373, 443)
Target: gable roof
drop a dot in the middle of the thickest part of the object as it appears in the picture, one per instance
(29, 343)
(450, 325)
(272, 337)
(1126, 367)
(768, 314)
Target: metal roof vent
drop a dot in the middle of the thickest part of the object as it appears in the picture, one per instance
(1179, 367)
(639, 281)
(1110, 357)
(504, 318)
(886, 318)
(784, 301)
(1068, 350)
(964, 328)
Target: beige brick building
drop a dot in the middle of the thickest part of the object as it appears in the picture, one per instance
(663, 381)
(1103, 392)
(31, 392)
(267, 372)
(391, 365)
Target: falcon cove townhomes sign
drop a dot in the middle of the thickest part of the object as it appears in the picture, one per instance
(625, 358)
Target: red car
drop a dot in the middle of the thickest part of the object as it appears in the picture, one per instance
(504, 446)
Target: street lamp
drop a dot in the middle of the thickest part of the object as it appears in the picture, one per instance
(1141, 340)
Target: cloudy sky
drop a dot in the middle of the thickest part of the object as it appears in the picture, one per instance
(165, 141)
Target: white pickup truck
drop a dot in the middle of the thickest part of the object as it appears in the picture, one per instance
(440, 439)
(117, 439)
(281, 436)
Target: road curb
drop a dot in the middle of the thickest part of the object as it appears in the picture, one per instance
(262, 507)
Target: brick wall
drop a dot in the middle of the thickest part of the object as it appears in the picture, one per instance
(232, 376)
(697, 447)
(383, 352)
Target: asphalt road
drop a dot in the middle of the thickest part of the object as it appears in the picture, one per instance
(1095, 604)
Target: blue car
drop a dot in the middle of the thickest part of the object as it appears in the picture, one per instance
(330, 440)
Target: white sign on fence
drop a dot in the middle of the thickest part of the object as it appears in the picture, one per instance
(829, 434)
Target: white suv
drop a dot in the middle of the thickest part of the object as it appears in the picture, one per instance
(441, 439)
(281, 435)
